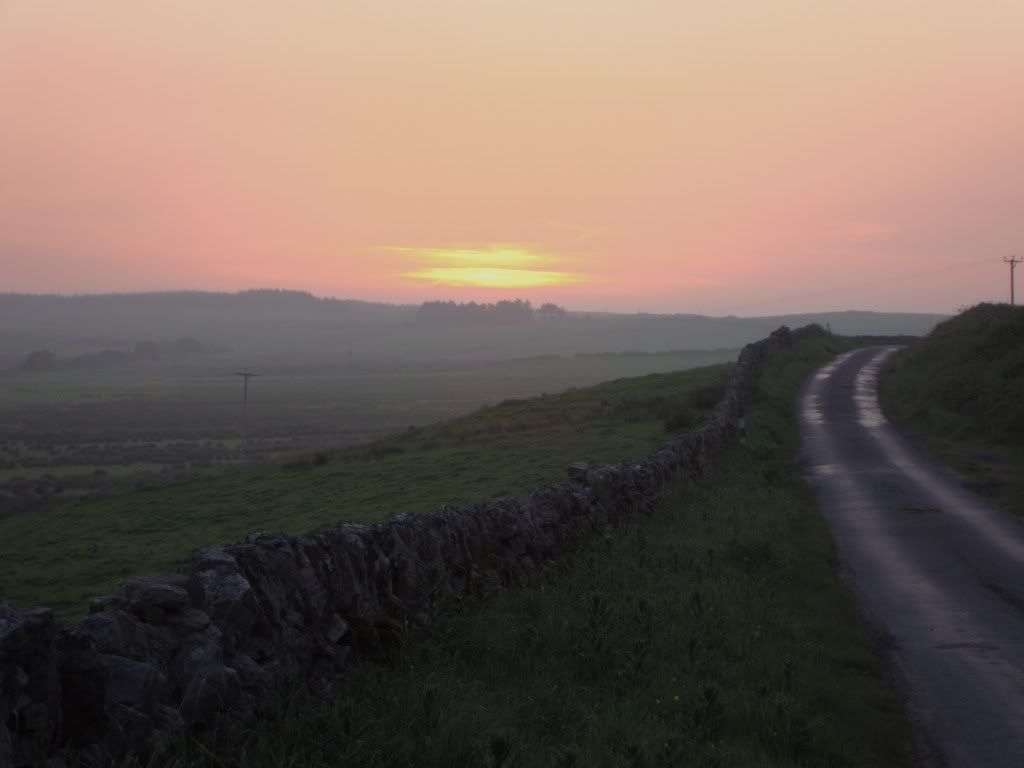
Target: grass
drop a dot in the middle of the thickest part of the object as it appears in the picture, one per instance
(64, 556)
(713, 633)
(959, 391)
(145, 425)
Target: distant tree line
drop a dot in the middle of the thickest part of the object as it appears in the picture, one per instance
(501, 312)
(257, 298)
(45, 360)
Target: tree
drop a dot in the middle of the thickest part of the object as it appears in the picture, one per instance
(39, 360)
(551, 310)
(472, 313)
(147, 350)
(188, 346)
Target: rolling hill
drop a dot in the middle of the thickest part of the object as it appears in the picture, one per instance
(289, 328)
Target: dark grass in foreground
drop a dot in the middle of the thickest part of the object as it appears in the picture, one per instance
(961, 392)
(714, 632)
(62, 557)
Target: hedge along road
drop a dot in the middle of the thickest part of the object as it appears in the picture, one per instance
(939, 572)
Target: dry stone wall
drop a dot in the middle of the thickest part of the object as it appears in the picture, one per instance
(209, 646)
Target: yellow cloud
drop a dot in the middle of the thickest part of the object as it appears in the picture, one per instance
(493, 266)
(494, 277)
(501, 256)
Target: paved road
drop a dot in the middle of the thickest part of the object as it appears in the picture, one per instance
(938, 571)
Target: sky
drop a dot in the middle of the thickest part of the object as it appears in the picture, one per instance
(714, 156)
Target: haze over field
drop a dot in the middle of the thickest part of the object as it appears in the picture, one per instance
(709, 157)
(287, 331)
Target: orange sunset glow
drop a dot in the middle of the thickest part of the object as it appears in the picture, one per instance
(493, 267)
(718, 157)
(491, 277)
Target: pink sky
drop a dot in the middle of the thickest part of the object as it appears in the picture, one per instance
(723, 156)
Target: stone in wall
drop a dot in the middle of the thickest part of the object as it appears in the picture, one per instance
(30, 691)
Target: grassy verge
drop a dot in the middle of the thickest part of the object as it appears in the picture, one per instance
(64, 556)
(713, 633)
(958, 392)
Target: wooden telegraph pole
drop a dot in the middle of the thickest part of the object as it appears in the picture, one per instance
(1013, 261)
(245, 407)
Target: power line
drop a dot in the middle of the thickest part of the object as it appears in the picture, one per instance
(1013, 261)
(245, 407)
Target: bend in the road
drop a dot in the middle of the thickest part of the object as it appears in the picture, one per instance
(937, 570)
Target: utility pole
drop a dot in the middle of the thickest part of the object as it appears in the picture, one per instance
(245, 407)
(1013, 261)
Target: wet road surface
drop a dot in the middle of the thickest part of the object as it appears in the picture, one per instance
(938, 571)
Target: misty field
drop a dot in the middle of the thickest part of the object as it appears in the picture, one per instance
(62, 556)
(66, 435)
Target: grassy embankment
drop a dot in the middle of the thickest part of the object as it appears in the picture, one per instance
(70, 434)
(64, 556)
(960, 391)
(715, 632)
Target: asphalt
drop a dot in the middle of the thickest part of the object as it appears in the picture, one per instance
(938, 571)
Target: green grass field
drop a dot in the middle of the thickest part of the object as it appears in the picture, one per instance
(713, 633)
(960, 391)
(63, 556)
(66, 435)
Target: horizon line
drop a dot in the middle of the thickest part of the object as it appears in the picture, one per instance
(400, 304)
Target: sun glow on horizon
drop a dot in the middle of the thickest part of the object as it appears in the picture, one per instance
(496, 266)
(502, 256)
(493, 277)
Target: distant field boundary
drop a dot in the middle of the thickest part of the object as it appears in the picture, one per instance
(208, 646)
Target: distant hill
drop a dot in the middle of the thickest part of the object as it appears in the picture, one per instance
(966, 379)
(275, 327)
(141, 352)
(265, 321)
